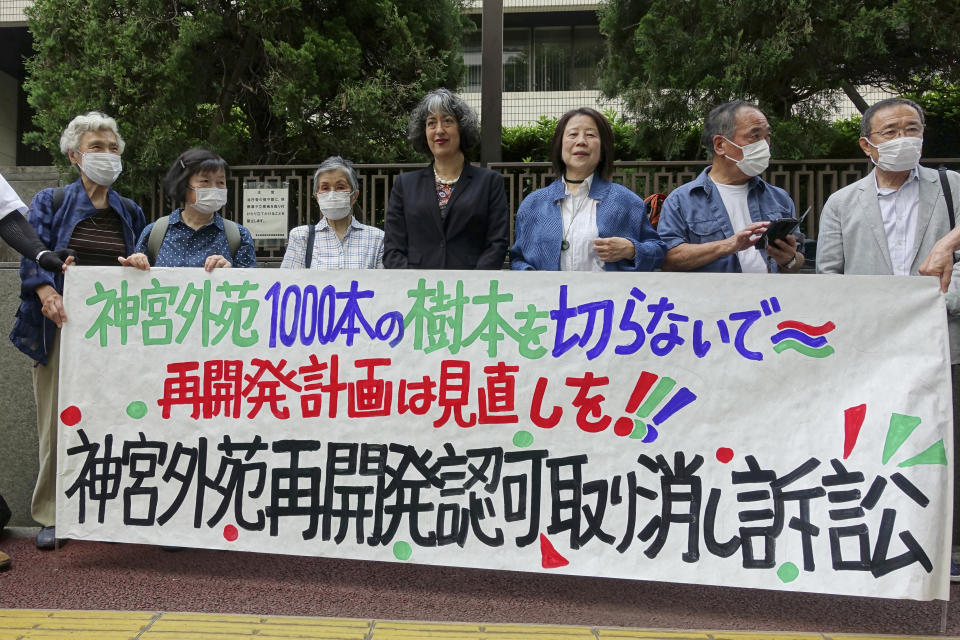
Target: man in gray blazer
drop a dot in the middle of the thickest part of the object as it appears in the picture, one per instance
(889, 222)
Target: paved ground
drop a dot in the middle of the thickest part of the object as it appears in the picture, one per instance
(135, 578)
(107, 625)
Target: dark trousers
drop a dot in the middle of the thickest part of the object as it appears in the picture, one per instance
(4, 514)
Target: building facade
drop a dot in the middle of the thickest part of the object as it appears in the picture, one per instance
(551, 51)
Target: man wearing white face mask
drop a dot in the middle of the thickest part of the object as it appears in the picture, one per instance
(338, 240)
(100, 226)
(888, 222)
(195, 235)
(714, 222)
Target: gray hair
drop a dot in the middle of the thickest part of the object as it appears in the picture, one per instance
(336, 163)
(722, 121)
(90, 121)
(866, 122)
(443, 101)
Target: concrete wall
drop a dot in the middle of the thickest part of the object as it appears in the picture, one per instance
(26, 181)
(8, 119)
(18, 418)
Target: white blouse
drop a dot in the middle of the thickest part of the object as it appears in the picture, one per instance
(579, 212)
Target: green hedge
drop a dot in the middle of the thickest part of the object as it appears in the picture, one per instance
(792, 139)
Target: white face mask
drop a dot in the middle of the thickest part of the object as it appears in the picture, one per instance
(334, 205)
(209, 199)
(899, 154)
(756, 157)
(102, 168)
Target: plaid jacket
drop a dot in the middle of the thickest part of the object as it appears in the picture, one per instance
(32, 332)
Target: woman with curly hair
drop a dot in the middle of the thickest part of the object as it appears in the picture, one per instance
(450, 215)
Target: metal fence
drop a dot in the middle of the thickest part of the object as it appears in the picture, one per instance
(809, 183)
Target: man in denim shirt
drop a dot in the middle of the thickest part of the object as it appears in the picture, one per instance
(713, 222)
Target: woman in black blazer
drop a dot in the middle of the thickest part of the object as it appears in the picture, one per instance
(450, 215)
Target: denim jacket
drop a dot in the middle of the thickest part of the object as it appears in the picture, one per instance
(620, 213)
(32, 333)
(694, 213)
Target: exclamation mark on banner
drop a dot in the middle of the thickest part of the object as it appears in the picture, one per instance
(649, 400)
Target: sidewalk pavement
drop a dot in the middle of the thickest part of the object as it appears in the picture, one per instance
(99, 591)
(35, 624)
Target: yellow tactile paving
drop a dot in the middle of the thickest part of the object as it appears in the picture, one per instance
(207, 617)
(316, 634)
(212, 627)
(332, 622)
(853, 636)
(552, 631)
(25, 624)
(654, 634)
(757, 635)
(46, 634)
(431, 627)
(16, 624)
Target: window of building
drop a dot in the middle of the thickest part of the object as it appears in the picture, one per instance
(588, 50)
(516, 59)
(471, 58)
(552, 51)
(541, 58)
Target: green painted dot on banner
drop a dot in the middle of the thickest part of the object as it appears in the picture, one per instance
(522, 439)
(788, 572)
(402, 550)
(137, 409)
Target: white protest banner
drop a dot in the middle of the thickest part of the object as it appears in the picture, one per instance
(779, 432)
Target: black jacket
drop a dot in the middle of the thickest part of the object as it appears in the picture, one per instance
(473, 235)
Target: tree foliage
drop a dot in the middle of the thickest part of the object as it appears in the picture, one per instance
(258, 81)
(672, 60)
(941, 138)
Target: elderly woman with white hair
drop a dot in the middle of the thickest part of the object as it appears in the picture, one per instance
(450, 215)
(101, 227)
(338, 240)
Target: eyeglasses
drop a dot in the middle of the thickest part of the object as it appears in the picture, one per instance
(911, 131)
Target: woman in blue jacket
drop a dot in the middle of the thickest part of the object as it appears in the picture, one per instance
(582, 221)
(100, 227)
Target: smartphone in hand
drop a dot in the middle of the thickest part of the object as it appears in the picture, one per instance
(780, 229)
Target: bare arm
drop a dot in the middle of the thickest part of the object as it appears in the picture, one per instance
(940, 261)
(687, 256)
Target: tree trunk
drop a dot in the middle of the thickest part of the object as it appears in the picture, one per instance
(229, 93)
(855, 97)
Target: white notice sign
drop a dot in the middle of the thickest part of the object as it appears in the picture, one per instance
(265, 211)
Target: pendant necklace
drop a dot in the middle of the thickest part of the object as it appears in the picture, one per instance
(564, 243)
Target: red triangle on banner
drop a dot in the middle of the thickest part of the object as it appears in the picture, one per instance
(852, 421)
(550, 559)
